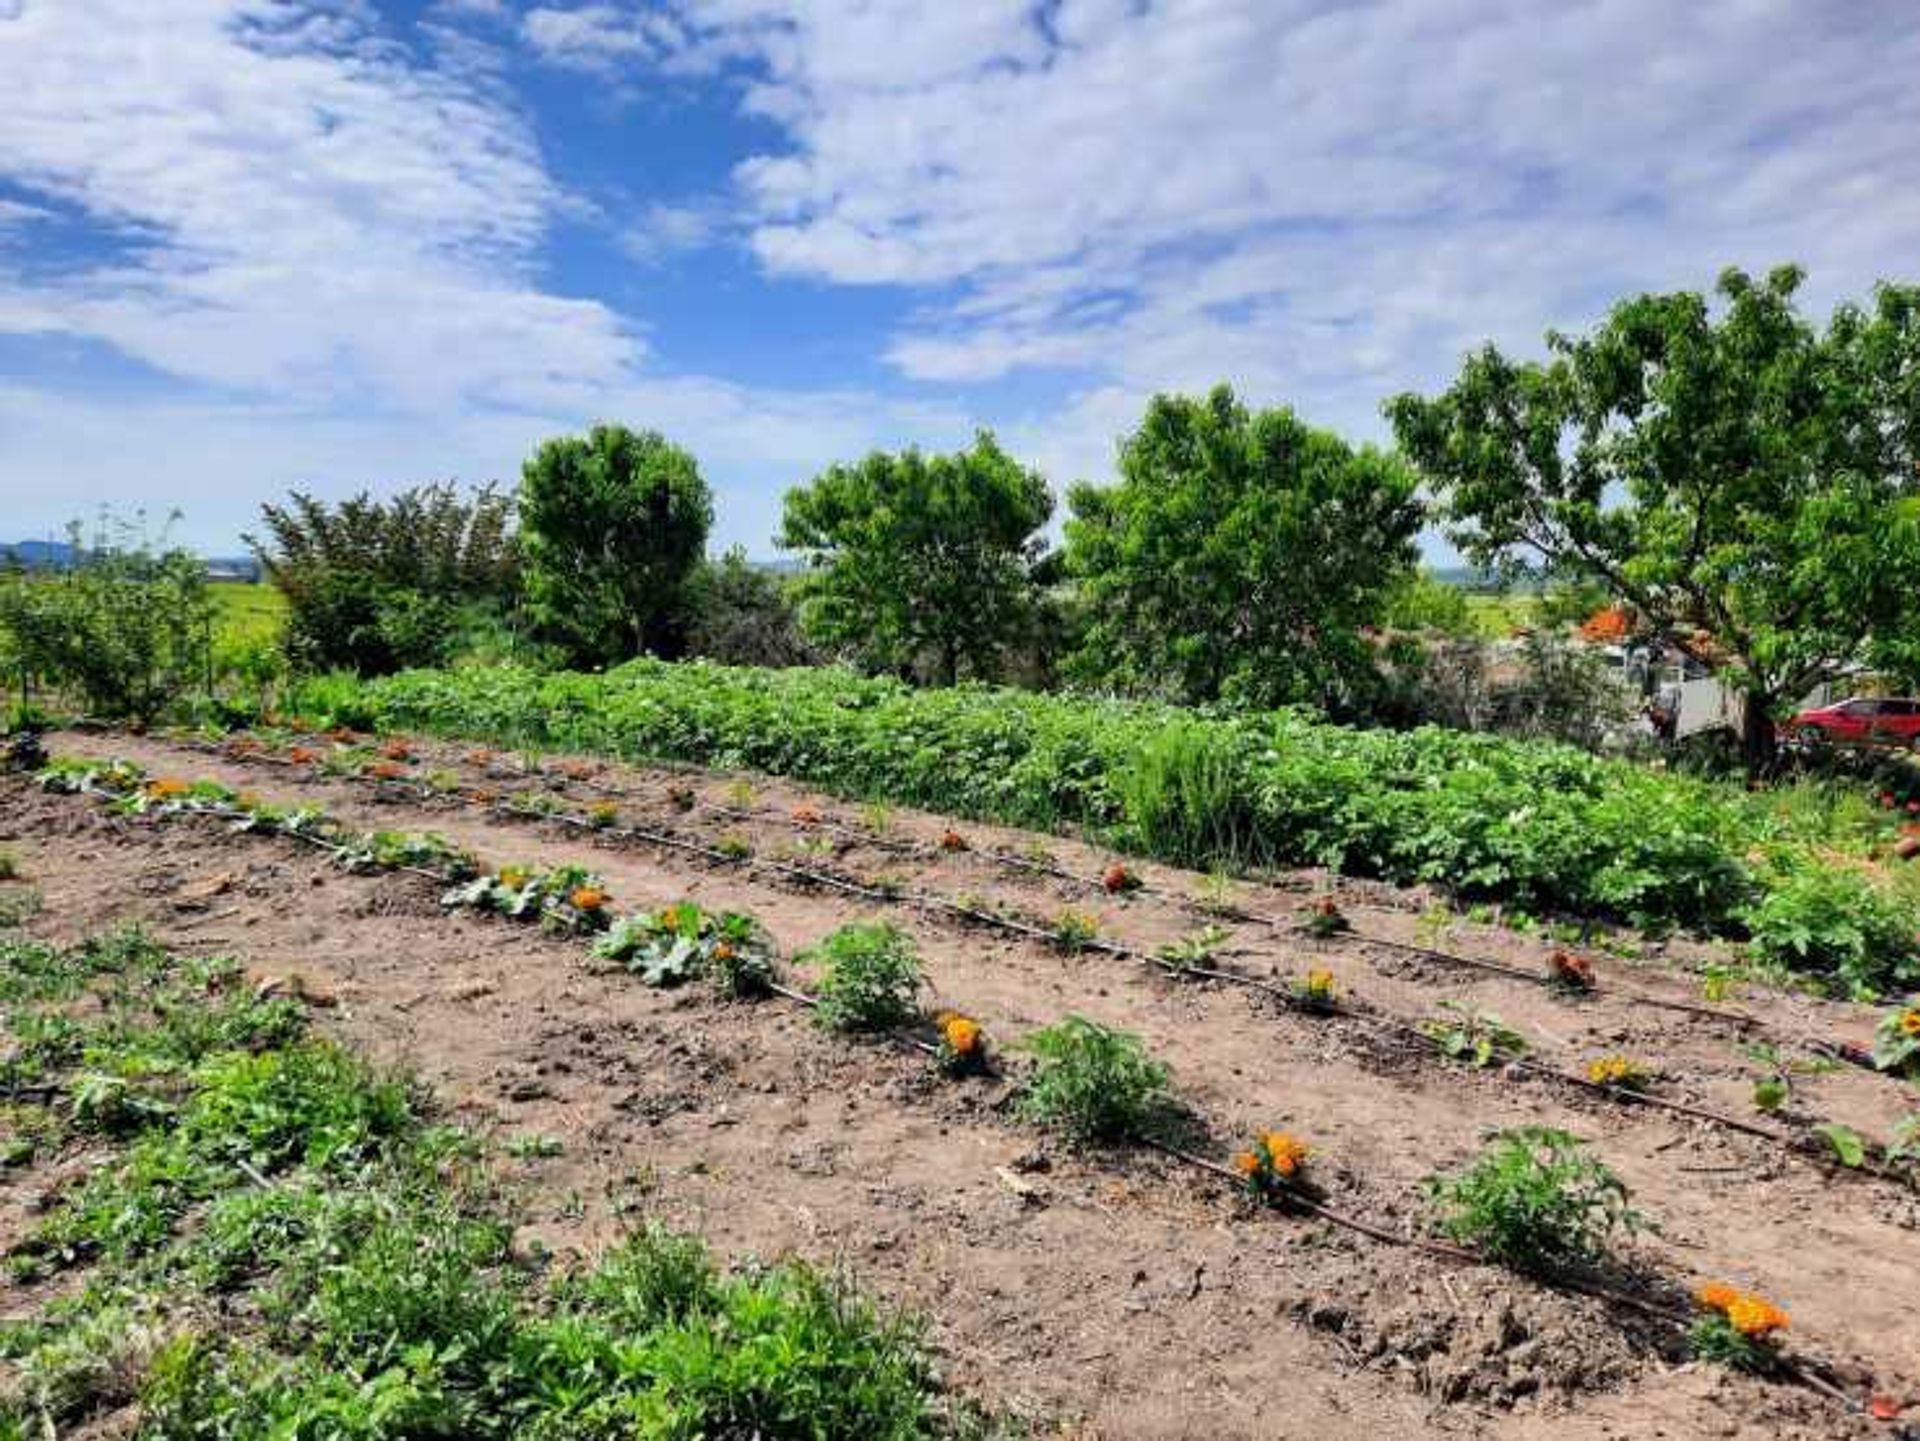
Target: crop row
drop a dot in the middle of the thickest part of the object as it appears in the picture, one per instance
(1541, 826)
(1456, 1032)
(1090, 1083)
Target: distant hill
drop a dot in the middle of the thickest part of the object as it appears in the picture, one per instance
(37, 554)
(59, 555)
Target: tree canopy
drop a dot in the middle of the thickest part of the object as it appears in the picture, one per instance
(613, 524)
(1240, 555)
(1745, 481)
(921, 564)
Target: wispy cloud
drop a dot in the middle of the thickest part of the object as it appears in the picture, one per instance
(1321, 202)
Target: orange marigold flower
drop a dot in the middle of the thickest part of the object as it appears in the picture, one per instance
(962, 1035)
(952, 840)
(387, 771)
(1751, 1316)
(1910, 1021)
(1287, 1154)
(588, 898)
(301, 756)
(1574, 969)
(167, 787)
(397, 751)
(1246, 1163)
(1716, 1295)
(513, 877)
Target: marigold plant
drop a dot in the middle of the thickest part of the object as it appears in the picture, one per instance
(1896, 1041)
(1621, 1071)
(1570, 970)
(962, 1046)
(602, 815)
(1274, 1166)
(1318, 989)
(1324, 917)
(1736, 1328)
(952, 840)
(1117, 880)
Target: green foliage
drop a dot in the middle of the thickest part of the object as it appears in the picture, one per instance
(743, 614)
(676, 943)
(870, 979)
(557, 898)
(1847, 1145)
(127, 630)
(1835, 924)
(1093, 1083)
(378, 586)
(300, 1255)
(1421, 601)
(612, 525)
(1896, 1040)
(1239, 557)
(1715, 1339)
(1741, 479)
(1536, 1201)
(1479, 1038)
(921, 565)
(1537, 826)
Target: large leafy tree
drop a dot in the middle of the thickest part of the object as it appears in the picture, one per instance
(921, 564)
(612, 525)
(1745, 481)
(1240, 556)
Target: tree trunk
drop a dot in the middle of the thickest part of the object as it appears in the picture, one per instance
(1759, 739)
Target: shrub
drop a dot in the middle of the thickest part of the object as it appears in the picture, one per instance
(1534, 1200)
(871, 978)
(1836, 924)
(1093, 1083)
(379, 586)
(126, 629)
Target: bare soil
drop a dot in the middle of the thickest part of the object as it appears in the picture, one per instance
(1110, 1295)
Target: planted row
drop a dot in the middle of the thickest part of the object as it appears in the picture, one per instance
(1546, 827)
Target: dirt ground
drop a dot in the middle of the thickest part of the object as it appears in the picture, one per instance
(1111, 1295)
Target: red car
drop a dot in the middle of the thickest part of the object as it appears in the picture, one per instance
(1863, 721)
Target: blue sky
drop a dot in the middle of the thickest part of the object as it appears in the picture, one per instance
(248, 245)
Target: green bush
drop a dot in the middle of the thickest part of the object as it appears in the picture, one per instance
(1094, 1083)
(1838, 926)
(871, 978)
(128, 631)
(1535, 824)
(1536, 1201)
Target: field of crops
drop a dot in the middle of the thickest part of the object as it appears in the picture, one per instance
(1542, 827)
(1130, 1140)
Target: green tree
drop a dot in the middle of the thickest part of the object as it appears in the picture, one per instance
(742, 614)
(1743, 480)
(612, 525)
(1239, 556)
(919, 564)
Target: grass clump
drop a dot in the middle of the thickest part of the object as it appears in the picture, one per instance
(1094, 1083)
(1536, 1201)
(870, 980)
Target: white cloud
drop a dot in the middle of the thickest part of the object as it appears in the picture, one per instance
(667, 230)
(304, 212)
(599, 38)
(1320, 203)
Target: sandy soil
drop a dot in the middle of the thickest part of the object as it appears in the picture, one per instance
(1115, 1295)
